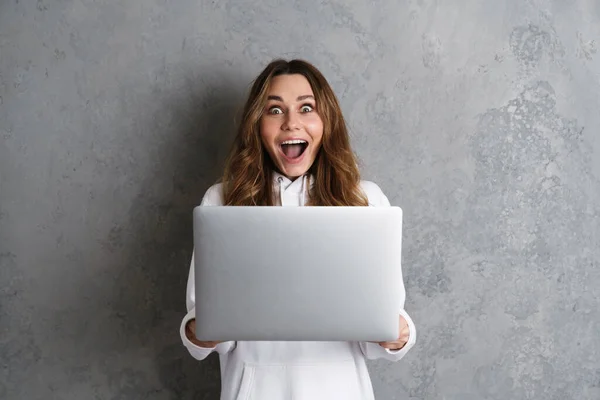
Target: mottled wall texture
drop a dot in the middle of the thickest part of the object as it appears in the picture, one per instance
(480, 118)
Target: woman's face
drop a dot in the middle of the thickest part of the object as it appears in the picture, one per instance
(290, 127)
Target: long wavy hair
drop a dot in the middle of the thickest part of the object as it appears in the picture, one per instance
(248, 175)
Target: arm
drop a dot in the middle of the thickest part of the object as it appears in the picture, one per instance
(373, 350)
(197, 349)
(200, 350)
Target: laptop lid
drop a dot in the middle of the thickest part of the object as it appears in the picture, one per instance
(298, 273)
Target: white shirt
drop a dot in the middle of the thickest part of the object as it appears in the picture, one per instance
(294, 370)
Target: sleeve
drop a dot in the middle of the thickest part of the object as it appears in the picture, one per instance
(200, 353)
(374, 351)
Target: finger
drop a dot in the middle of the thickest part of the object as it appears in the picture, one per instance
(404, 333)
(403, 322)
(191, 326)
(402, 340)
(391, 345)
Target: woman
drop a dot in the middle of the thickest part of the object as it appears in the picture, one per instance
(292, 149)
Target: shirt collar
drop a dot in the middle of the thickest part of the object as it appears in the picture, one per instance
(288, 185)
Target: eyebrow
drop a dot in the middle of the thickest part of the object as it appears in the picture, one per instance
(299, 98)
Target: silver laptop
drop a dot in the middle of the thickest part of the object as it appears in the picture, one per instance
(297, 273)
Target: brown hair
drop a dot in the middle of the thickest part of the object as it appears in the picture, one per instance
(248, 175)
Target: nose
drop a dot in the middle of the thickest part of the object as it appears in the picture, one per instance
(291, 122)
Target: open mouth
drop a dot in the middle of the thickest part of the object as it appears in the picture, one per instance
(293, 149)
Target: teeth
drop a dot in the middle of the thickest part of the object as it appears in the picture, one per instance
(294, 142)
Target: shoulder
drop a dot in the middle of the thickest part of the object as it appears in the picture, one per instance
(213, 196)
(374, 194)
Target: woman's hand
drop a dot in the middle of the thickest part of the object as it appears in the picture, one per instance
(402, 338)
(190, 333)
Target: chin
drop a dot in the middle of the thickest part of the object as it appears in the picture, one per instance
(293, 172)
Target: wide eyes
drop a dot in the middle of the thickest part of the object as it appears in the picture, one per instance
(276, 110)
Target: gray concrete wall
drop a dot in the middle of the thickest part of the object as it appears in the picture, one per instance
(479, 118)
